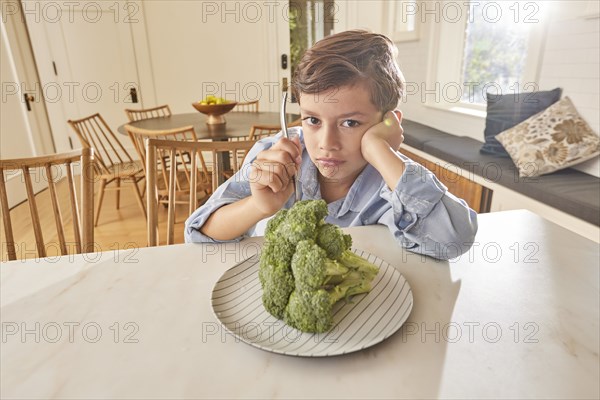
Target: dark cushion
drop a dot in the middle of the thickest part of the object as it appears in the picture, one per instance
(464, 153)
(416, 135)
(506, 111)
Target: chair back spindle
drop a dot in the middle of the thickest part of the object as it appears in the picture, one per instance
(145, 113)
(246, 106)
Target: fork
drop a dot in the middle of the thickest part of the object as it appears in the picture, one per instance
(284, 128)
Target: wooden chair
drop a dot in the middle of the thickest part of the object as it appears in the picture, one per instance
(159, 167)
(246, 106)
(258, 132)
(114, 164)
(145, 113)
(182, 178)
(296, 122)
(52, 170)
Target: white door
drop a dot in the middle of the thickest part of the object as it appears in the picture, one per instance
(86, 60)
(24, 131)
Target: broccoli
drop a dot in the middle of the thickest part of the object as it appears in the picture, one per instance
(273, 224)
(311, 310)
(331, 238)
(307, 266)
(302, 220)
(312, 269)
(275, 276)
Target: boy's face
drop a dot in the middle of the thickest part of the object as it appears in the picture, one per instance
(334, 123)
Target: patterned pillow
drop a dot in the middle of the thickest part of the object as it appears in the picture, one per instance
(551, 140)
(508, 110)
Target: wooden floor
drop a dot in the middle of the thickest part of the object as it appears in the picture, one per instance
(117, 230)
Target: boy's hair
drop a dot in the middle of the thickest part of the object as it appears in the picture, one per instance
(348, 58)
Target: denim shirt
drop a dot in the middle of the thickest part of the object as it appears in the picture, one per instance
(420, 213)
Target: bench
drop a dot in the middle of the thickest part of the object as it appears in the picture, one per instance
(457, 160)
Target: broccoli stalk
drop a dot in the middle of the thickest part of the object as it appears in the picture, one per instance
(358, 264)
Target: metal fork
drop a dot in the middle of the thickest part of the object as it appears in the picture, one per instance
(284, 128)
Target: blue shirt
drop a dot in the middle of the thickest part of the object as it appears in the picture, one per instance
(421, 214)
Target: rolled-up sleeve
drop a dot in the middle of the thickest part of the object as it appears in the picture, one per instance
(425, 218)
(235, 188)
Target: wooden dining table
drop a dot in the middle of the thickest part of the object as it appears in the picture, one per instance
(517, 316)
(237, 123)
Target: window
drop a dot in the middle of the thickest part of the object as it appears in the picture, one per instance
(496, 45)
(483, 46)
(401, 20)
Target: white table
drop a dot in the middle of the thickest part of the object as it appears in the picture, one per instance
(516, 317)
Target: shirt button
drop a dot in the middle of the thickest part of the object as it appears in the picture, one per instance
(407, 217)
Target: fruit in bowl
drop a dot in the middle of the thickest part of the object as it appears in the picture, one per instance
(214, 107)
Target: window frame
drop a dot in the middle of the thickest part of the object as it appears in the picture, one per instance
(390, 13)
(446, 55)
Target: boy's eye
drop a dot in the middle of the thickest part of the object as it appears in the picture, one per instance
(311, 120)
(350, 123)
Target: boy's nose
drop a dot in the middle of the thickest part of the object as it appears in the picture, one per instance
(329, 139)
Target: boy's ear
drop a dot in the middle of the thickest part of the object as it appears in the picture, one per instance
(396, 113)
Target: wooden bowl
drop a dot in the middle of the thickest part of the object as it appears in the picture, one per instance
(215, 111)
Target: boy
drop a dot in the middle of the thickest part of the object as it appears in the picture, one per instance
(347, 86)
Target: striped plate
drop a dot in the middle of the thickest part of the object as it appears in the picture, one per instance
(366, 321)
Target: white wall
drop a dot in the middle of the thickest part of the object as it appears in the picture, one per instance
(196, 46)
(572, 61)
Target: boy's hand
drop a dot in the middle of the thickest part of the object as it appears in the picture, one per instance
(388, 133)
(271, 177)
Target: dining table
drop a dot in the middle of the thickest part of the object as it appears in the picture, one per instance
(236, 123)
(517, 316)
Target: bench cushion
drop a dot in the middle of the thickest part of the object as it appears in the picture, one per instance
(568, 190)
(420, 134)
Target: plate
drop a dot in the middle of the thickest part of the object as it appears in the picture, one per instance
(365, 321)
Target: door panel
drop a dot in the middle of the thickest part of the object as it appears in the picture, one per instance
(229, 49)
(23, 132)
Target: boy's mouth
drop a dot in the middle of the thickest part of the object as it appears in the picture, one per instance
(330, 162)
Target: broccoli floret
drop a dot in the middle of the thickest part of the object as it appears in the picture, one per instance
(331, 238)
(278, 284)
(312, 269)
(310, 311)
(276, 276)
(302, 220)
(273, 224)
